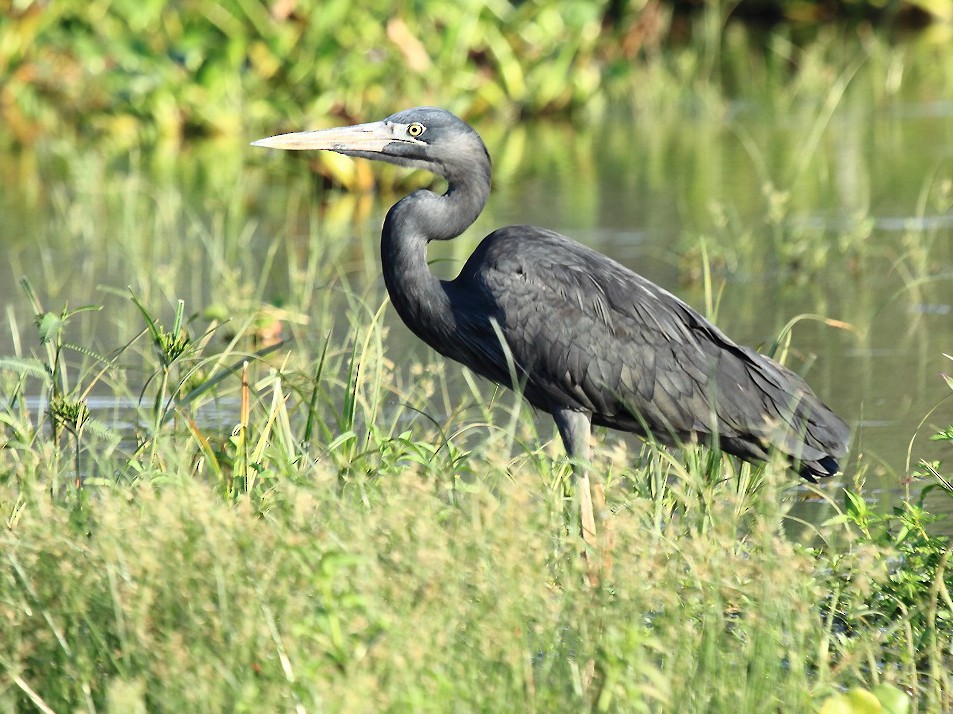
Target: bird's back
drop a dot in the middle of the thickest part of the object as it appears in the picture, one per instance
(581, 331)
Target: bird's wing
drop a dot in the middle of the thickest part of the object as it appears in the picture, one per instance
(588, 333)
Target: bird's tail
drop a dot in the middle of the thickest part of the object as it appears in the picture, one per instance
(821, 468)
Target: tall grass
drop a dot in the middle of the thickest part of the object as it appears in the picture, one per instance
(405, 577)
(392, 597)
(347, 548)
(233, 487)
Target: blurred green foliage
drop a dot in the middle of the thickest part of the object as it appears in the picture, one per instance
(144, 70)
(126, 66)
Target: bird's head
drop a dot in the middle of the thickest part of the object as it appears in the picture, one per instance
(426, 138)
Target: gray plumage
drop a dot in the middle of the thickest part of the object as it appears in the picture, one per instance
(588, 340)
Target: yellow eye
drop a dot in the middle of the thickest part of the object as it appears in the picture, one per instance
(416, 129)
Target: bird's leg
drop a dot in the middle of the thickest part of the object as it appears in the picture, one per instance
(575, 429)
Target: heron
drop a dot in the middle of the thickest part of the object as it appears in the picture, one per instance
(579, 335)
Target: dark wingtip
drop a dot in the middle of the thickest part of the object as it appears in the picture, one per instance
(822, 468)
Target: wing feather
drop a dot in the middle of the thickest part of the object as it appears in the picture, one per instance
(589, 334)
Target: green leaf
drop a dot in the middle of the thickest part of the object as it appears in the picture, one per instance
(837, 704)
(854, 504)
(863, 701)
(49, 326)
(892, 700)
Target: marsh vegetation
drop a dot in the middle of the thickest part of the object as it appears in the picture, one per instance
(232, 481)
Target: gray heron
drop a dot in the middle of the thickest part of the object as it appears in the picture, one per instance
(586, 339)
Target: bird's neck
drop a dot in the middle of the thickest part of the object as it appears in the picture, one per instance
(416, 293)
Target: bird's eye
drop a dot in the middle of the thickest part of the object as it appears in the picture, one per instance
(416, 129)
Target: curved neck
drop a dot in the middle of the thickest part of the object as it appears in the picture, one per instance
(414, 221)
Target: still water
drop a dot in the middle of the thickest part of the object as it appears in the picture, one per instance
(840, 209)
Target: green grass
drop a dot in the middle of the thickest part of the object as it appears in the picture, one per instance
(332, 556)
(390, 597)
(419, 590)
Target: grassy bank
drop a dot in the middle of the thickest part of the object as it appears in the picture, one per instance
(227, 484)
(423, 588)
(333, 548)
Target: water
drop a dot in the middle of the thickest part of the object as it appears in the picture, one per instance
(845, 214)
